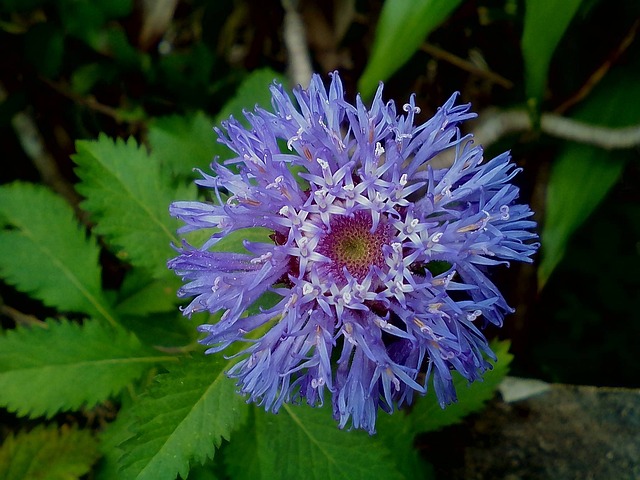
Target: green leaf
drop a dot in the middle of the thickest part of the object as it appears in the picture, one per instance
(48, 453)
(581, 176)
(305, 442)
(111, 437)
(182, 420)
(85, 77)
(183, 143)
(115, 8)
(402, 27)
(254, 90)
(140, 295)
(44, 48)
(240, 465)
(68, 365)
(80, 18)
(170, 330)
(45, 253)
(544, 24)
(233, 241)
(204, 472)
(427, 416)
(129, 199)
(139, 298)
(397, 429)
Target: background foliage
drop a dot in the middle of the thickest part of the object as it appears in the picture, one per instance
(106, 107)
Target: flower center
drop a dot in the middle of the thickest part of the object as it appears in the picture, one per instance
(352, 245)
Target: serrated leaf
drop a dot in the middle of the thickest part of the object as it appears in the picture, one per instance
(68, 365)
(544, 24)
(111, 437)
(182, 420)
(45, 252)
(140, 295)
(427, 416)
(304, 442)
(182, 143)
(48, 453)
(167, 330)
(397, 429)
(240, 465)
(187, 142)
(581, 175)
(402, 27)
(203, 472)
(129, 199)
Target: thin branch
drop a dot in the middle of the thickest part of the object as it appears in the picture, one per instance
(300, 69)
(33, 145)
(90, 102)
(466, 65)
(497, 124)
(596, 76)
(20, 318)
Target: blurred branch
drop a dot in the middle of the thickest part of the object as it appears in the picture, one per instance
(596, 76)
(91, 103)
(494, 125)
(300, 69)
(465, 65)
(19, 318)
(33, 145)
(156, 18)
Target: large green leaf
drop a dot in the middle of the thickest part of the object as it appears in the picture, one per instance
(187, 142)
(45, 252)
(304, 442)
(129, 198)
(402, 27)
(111, 437)
(240, 465)
(580, 178)
(581, 175)
(544, 24)
(398, 430)
(140, 295)
(182, 419)
(67, 365)
(48, 453)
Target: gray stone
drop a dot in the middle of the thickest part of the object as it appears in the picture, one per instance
(565, 432)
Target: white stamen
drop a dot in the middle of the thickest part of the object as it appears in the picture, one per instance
(262, 258)
(323, 163)
(474, 315)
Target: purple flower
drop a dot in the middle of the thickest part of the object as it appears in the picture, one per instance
(377, 257)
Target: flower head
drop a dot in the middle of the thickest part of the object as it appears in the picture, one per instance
(377, 258)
